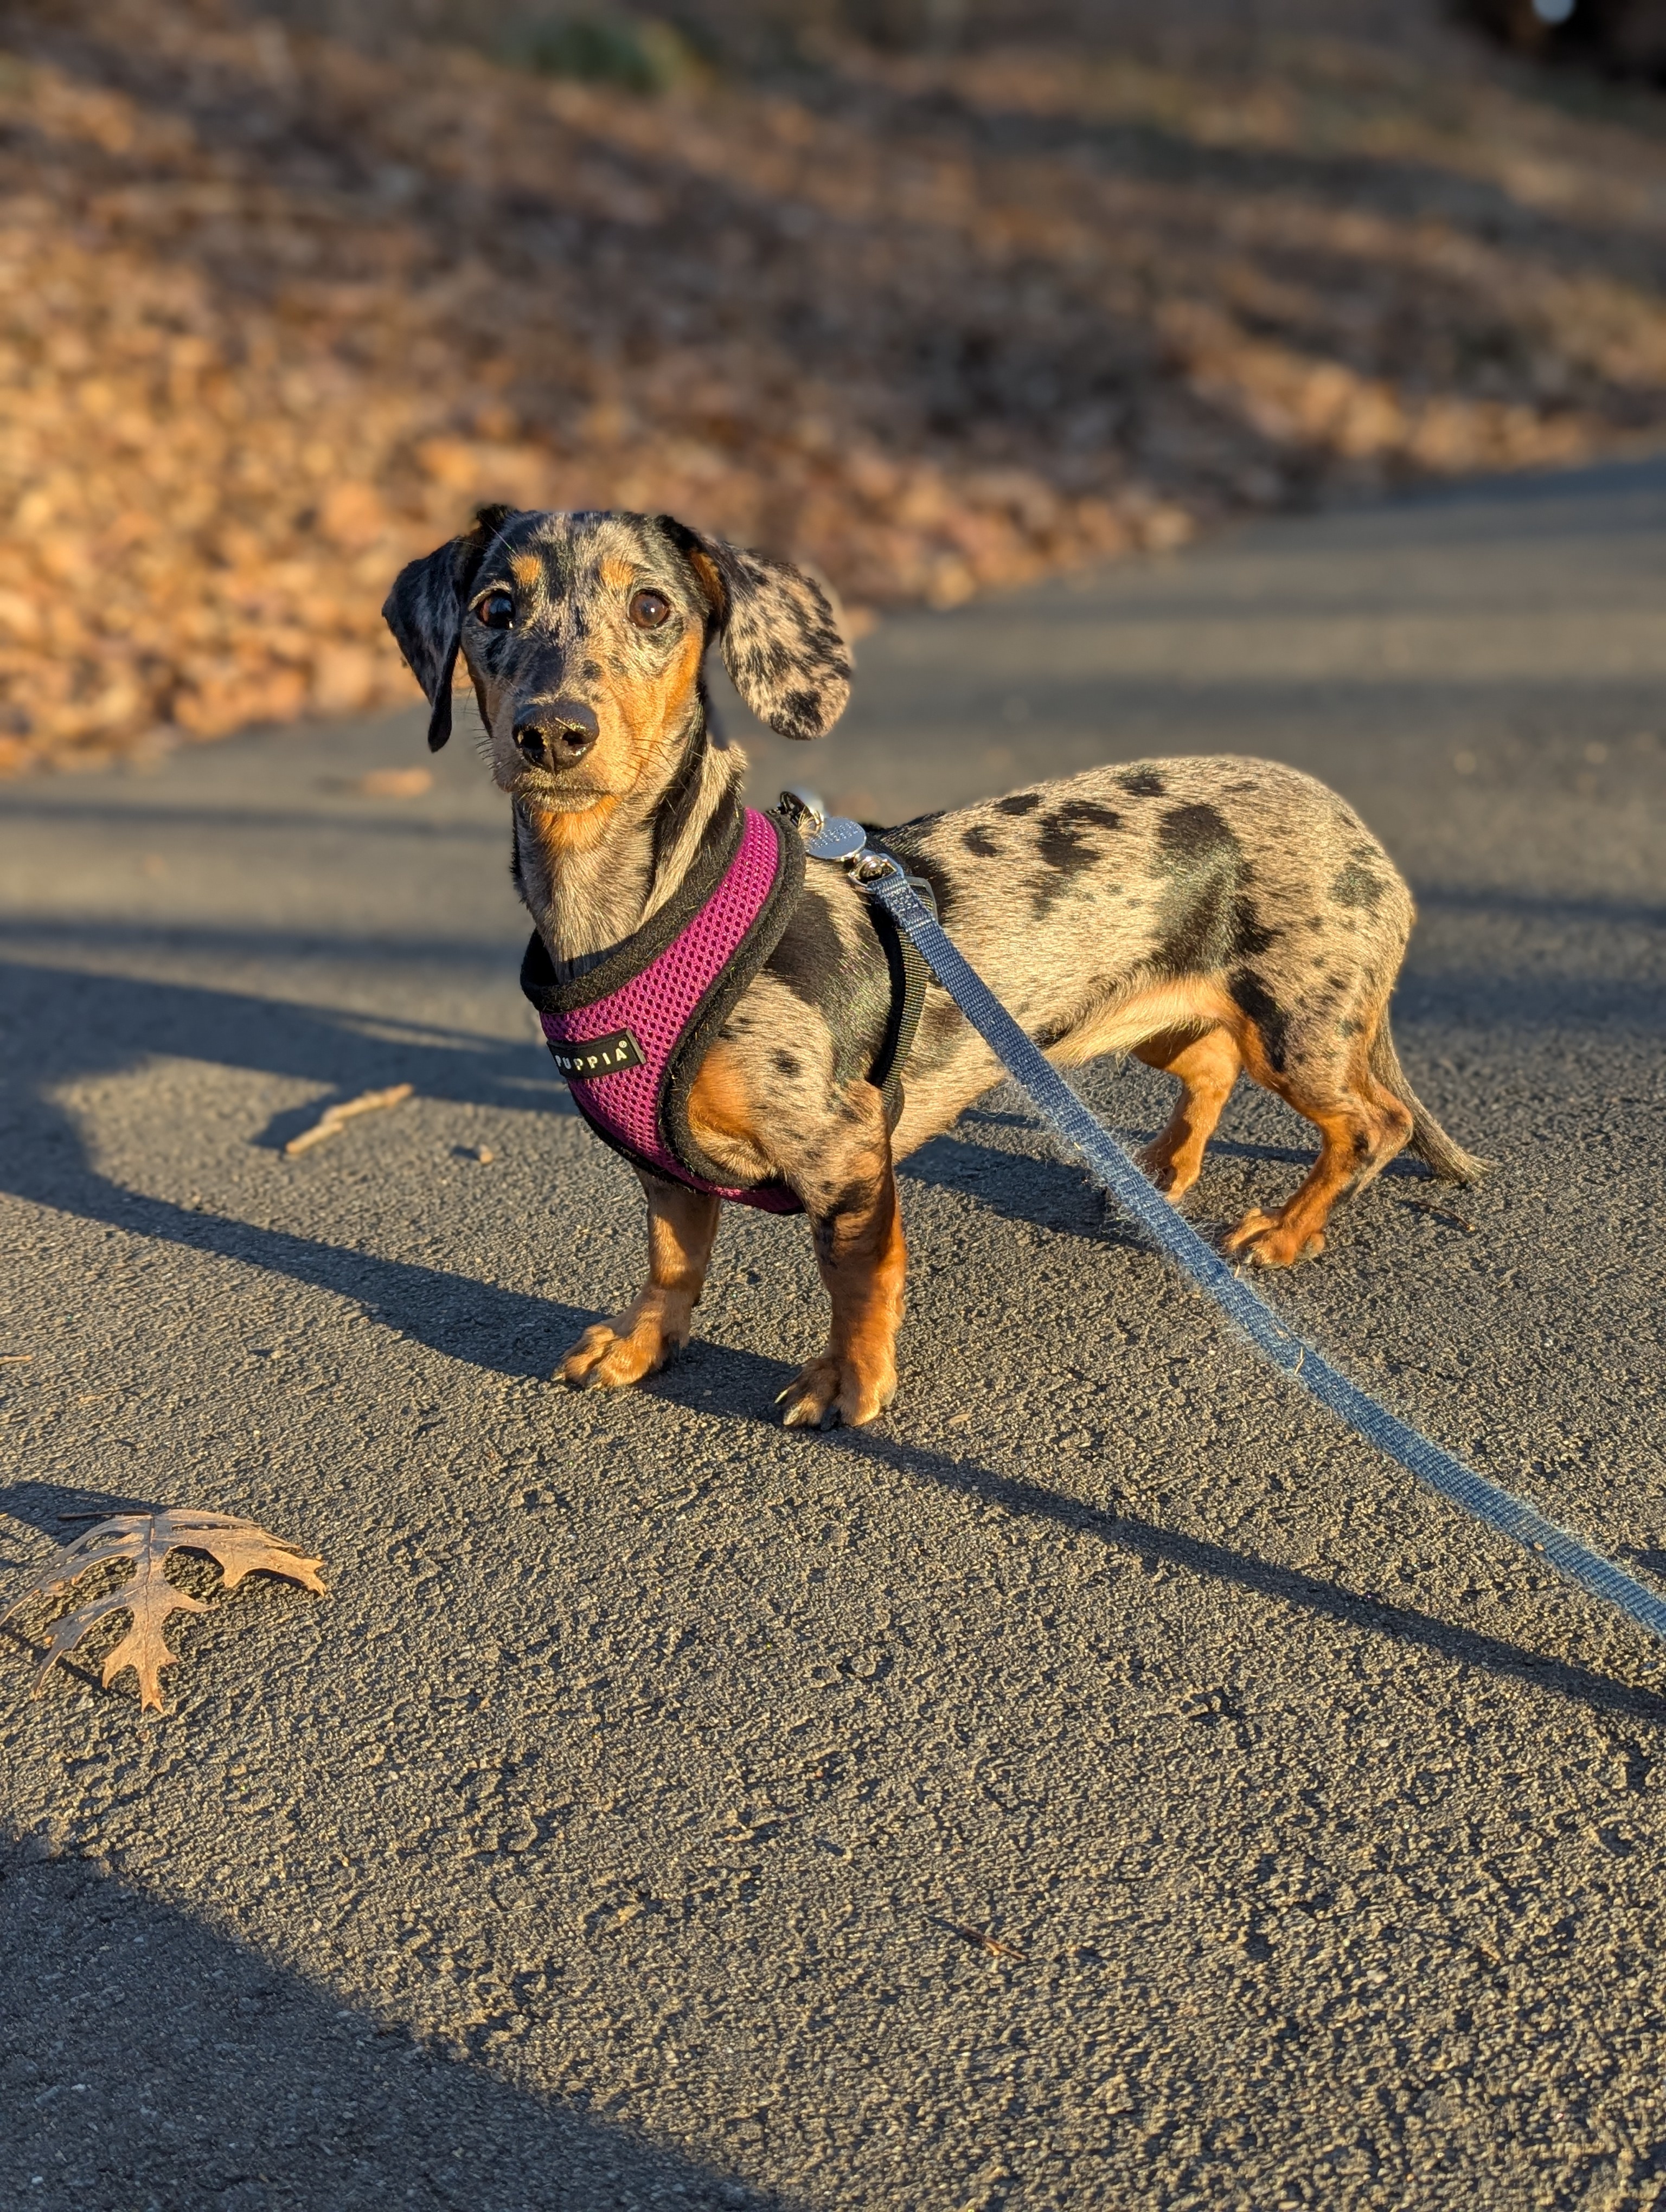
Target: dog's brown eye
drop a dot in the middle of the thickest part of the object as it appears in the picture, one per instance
(649, 609)
(496, 610)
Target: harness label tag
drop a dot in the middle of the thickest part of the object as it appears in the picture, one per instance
(592, 1056)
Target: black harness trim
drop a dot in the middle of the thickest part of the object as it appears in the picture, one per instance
(632, 954)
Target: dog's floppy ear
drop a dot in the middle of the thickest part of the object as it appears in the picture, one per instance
(424, 611)
(780, 644)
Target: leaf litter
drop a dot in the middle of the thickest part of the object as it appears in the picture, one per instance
(276, 310)
(149, 1596)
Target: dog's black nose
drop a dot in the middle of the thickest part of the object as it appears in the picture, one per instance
(556, 733)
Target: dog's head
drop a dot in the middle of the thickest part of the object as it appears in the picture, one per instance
(584, 635)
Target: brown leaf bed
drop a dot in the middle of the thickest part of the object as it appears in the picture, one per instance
(275, 312)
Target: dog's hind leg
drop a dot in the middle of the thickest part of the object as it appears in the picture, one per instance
(858, 1227)
(1207, 1066)
(1361, 1124)
(682, 1227)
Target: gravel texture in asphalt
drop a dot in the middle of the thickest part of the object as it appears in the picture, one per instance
(1103, 1783)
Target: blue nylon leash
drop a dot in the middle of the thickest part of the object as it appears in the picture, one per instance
(883, 878)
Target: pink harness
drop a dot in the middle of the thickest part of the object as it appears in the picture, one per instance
(630, 1035)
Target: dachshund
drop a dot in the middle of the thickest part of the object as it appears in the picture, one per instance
(1209, 916)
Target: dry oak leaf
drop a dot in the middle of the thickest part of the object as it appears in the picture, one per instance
(240, 1547)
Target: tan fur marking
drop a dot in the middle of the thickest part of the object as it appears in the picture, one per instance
(1207, 1066)
(723, 1115)
(525, 569)
(862, 1259)
(575, 832)
(682, 1227)
(711, 583)
(1361, 1127)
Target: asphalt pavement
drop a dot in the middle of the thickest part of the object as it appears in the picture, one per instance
(1104, 1782)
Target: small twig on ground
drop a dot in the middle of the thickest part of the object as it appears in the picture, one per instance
(15, 1358)
(983, 1939)
(330, 1122)
(1441, 1213)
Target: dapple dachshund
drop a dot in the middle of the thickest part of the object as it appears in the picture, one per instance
(1208, 916)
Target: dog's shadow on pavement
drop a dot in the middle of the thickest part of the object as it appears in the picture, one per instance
(70, 1025)
(746, 1385)
(115, 1021)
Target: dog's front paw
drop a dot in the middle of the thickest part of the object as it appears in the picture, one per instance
(1267, 1241)
(830, 1390)
(603, 1359)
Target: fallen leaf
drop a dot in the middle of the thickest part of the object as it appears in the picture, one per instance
(330, 1122)
(240, 1548)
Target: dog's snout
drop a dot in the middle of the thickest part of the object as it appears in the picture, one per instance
(556, 733)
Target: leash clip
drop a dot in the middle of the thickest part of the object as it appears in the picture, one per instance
(837, 837)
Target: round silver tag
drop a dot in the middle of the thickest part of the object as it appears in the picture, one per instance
(837, 839)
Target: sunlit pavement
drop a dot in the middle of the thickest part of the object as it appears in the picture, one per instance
(1104, 1782)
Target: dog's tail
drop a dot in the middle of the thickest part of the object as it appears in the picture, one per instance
(1447, 1161)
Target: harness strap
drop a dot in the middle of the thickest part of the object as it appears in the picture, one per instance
(910, 975)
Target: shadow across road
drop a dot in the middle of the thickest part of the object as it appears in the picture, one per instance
(517, 1334)
(184, 2069)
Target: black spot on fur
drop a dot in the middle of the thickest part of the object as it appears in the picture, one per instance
(1195, 835)
(1347, 1029)
(1021, 802)
(1143, 783)
(1265, 1011)
(1357, 887)
(784, 1063)
(977, 839)
(1045, 892)
(1063, 841)
(810, 951)
(1206, 920)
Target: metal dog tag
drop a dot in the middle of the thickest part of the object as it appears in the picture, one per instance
(838, 838)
